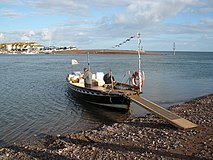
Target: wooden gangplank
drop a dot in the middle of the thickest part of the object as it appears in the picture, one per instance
(172, 118)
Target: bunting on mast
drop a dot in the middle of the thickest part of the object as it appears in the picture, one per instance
(127, 40)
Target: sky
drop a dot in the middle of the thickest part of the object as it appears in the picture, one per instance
(103, 24)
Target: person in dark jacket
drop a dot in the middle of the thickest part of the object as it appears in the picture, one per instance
(109, 78)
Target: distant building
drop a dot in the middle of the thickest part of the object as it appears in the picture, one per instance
(20, 46)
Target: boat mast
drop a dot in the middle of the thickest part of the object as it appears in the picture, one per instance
(174, 47)
(88, 62)
(139, 61)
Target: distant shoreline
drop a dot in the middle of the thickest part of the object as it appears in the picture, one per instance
(105, 51)
(98, 51)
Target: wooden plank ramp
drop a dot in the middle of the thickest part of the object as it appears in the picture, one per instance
(172, 118)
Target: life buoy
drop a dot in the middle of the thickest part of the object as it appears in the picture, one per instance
(135, 78)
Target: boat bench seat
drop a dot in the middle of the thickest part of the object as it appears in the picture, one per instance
(97, 82)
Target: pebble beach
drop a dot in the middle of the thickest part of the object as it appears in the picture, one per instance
(147, 137)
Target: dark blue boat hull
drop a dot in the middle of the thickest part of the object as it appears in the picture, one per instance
(100, 98)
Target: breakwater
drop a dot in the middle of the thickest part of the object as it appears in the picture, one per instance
(106, 51)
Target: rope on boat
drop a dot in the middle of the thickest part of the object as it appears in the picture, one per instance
(110, 99)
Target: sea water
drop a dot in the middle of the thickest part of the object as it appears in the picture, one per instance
(35, 98)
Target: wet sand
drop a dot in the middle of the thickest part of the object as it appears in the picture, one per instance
(145, 137)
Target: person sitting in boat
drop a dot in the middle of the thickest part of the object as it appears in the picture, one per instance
(109, 78)
(87, 78)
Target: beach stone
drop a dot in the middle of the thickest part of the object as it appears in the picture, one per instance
(145, 137)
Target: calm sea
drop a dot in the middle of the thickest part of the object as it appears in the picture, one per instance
(35, 99)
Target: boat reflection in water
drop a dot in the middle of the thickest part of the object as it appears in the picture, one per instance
(97, 114)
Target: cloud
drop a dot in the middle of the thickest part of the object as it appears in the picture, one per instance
(31, 33)
(1, 36)
(205, 6)
(25, 38)
(94, 23)
(8, 1)
(10, 13)
(148, 12)
(46, 34)
(28, 35)
(66, 7)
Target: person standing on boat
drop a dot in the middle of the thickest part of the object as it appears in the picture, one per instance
(87, 78)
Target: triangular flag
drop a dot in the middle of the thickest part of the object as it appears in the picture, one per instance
(74, 62)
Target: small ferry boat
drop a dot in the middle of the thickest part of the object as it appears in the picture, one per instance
(109, 95)
(105, 92)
